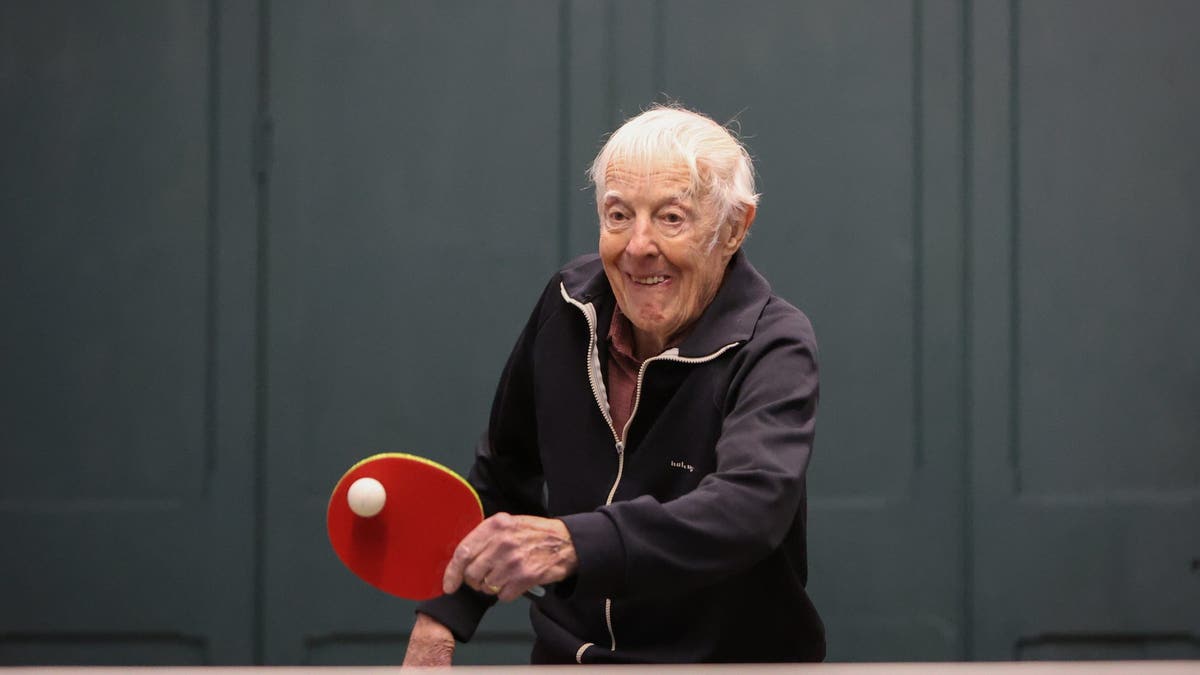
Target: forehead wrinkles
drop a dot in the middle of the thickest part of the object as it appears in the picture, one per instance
(673, 178)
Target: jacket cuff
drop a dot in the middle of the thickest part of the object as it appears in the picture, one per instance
(461, 611)
(601, 554)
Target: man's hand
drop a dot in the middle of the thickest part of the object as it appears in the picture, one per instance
(507, 555)
(430, 644)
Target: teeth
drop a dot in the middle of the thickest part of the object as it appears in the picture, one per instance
(650, 281)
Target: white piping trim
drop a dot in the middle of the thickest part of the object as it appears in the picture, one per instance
(608, 620)
(598, 389)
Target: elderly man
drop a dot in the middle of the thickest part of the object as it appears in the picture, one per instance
(645, 459)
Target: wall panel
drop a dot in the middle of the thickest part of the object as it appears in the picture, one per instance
(1101, 160)
(125, 446)
(414, 219)
(1082, 330)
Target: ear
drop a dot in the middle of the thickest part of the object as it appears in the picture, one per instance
(739, 227)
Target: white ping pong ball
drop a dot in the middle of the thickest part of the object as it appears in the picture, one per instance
(366, 497)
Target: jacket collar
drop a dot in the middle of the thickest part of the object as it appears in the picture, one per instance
(730, 317)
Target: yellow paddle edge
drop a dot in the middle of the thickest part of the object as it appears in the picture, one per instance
(404, 455)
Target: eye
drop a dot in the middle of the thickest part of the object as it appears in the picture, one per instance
(671, 222)
(616, 218)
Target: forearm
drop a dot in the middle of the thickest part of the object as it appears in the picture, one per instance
(430, 644)
(642, 546)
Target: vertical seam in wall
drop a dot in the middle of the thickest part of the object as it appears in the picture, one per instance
(211, 261)
(1014, 200)
(918, 236)
(564, 129)
(261, 331)
(610, 50)
(967, 206)
(660, 52)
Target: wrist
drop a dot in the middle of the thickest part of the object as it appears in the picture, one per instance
(568, 560)
(429, 628)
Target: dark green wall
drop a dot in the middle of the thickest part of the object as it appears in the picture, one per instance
(245, 245)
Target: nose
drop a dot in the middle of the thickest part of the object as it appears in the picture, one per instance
(643, 240)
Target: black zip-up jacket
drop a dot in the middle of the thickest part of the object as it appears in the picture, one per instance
(690, 533)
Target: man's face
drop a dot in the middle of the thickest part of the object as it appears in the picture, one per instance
(654, 242)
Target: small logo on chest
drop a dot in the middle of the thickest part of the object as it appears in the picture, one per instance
(682, 465)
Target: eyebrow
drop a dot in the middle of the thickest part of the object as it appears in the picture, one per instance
(679, 198)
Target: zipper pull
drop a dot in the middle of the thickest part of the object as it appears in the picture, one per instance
(620, 447)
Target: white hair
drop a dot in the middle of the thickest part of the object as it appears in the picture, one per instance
(722, 173)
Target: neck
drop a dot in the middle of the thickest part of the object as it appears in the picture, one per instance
(646, 345)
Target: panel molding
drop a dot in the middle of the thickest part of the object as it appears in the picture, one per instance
(212, 254)
(1017, 481)
(1014, 244)
(1061, 571)
(17, 505)
(126, 508)
(71, 139)
(175, 648)
(1072, 646)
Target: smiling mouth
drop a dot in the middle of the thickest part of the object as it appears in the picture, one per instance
(649, 281)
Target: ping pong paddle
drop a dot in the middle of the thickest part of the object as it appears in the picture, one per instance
(404, 548)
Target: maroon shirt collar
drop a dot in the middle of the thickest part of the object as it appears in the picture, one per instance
(620, 335)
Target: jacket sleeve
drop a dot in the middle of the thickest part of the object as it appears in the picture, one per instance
(507, 472)
(738, 514)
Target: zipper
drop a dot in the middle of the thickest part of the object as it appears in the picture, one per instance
(671, 354)
(597, 384)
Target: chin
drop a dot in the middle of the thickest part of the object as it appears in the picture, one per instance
(651, 323)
